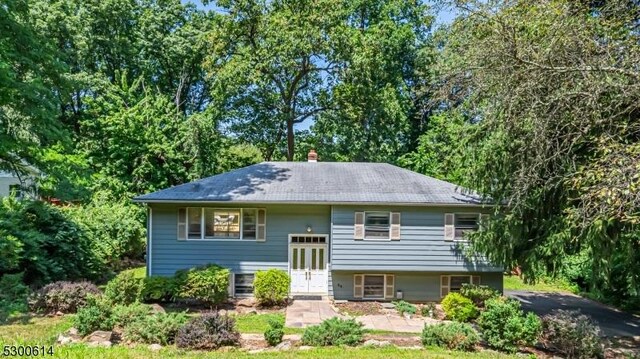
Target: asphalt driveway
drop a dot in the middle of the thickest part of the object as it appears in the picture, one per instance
(612, 322)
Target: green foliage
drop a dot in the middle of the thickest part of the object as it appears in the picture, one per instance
(571, 333)
(160, 328)
(334, 331)
(274, 333)
(158, 289)
(208, 284)
(125, 289)
(13, 295)
(208, 331)
(404, 307)
(40, 240)
(429, 308)
(271, 287)
(479, 294)
(65, 297)
(459, 308)
(124, 315)
(505, 327)
(454, 336)
(96, 315)
(116, 228)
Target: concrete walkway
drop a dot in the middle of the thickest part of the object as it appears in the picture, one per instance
(304, 313)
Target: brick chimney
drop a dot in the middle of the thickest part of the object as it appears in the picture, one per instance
(312, 156)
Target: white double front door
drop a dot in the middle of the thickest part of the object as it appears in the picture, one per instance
(308, 264)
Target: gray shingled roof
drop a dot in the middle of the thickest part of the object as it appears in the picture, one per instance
(319, 182)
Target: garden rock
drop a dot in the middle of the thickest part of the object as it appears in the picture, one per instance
(376, 343)
(155, 347)
(285, 345)
(99, 336)
(388, 305)
(105, 344)
(305, 347)
(246, 302)
(156, 308)
(70, 336)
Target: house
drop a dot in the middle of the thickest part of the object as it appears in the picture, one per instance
(348, 231)
(11, 184)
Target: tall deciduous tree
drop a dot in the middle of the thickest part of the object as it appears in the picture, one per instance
(555, 86)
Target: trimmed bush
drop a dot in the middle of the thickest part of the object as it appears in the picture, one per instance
(455, 336)
(13, 295)
(208, 331)
(271, 287)
(158, 289)
(505, 327)
(479, 294)
(124, 289)
(572, 333)
(273, 335)
(160, 328)
(62, 296)
(96, 315)
(207, 284)
(123, 315)
(459, 308)
(429, 308)
(334, 331)
(404, 307)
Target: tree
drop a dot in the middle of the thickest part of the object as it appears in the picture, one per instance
(554, 87)
(30, 76)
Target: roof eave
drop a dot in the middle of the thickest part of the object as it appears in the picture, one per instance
(343, 203)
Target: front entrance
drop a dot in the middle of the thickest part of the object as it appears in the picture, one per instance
(308, 263)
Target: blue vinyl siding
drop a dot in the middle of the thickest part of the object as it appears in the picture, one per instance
(166, 254)
(421, 246)
(415, 286)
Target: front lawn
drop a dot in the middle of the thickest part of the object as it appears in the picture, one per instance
(44, 331)
(512, 282)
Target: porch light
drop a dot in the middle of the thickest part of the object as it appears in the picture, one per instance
(309, 229)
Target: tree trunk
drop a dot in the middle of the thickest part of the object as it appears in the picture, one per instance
(290, 140)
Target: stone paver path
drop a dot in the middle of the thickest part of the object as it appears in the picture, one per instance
(304, 313)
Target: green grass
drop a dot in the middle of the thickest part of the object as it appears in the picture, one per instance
(512, 282)
(44, 331)
(258, 323)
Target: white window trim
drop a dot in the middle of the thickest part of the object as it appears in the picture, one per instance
(382, 239)
(384, 285)
(219, 239)
(455, 215)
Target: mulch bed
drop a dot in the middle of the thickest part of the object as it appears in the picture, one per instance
(358, 309)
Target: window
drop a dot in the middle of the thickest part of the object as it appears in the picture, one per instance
(465, 222)
(249, 221)
(376, 225)
(243, 284)
(195, 223)
(453, 283)
(373, 286)
(222, 223)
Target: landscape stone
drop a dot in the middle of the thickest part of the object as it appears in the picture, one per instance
(99, 336)
(105, 344)
(285, 345)
(157, 308)
(155, 347)
(246, 302)
(388, 305)
(304, 347)
(376, 343)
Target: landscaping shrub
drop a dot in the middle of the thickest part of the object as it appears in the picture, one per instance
(62, 296)
(123, 315)
(573, 334)
(125, 289)
(404, 307)
(455, 336)
(273, 335)
(479, 294)
(13, 295)
(96, 315)
(428, 309)
(459, 308)
(158, 289)
(271, 287)
(334, 331)
(160, 328)
(208, 331)
(42, 242)
(504, 326)
(207, 284)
